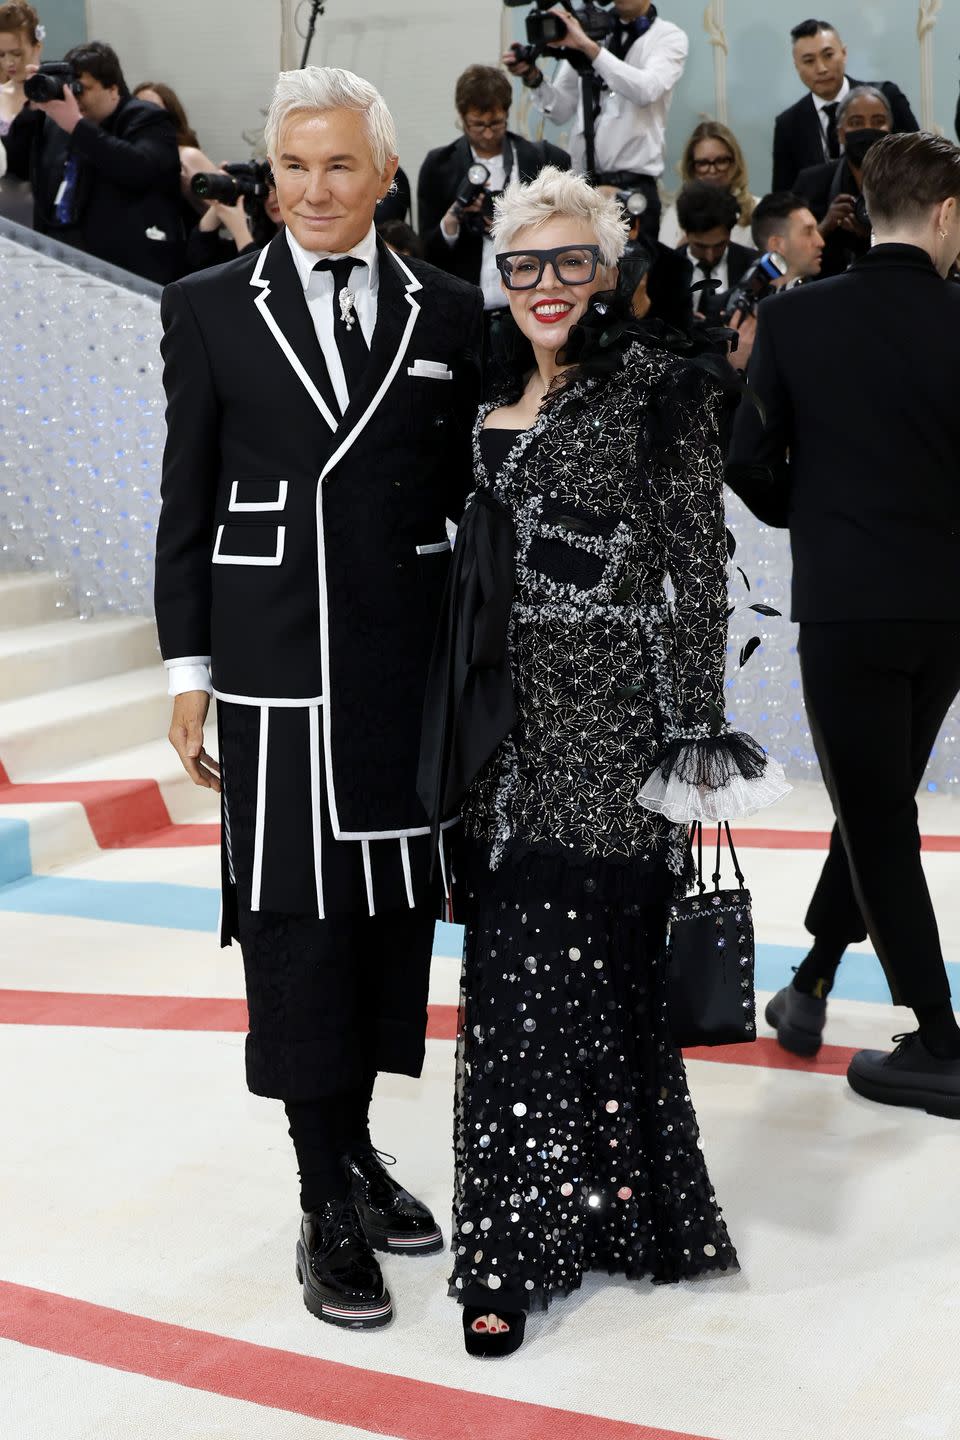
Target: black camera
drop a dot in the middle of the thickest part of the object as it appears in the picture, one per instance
(473, 185)
(50, 82)
(545, 29)
(243, 180)
(756, 285)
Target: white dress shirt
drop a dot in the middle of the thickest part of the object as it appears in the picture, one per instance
(493, 296)
(632, 125)
(824, 118)
(193, 672)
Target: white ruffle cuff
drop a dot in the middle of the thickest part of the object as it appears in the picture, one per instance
(725, 777)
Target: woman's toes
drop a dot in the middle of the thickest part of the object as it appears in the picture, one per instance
(479, 1325)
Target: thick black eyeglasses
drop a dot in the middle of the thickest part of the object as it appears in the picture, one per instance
(572, 265)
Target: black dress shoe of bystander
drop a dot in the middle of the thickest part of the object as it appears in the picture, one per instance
(341, 1279)
(908, 1075)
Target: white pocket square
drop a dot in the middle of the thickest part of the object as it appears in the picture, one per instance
(430, 370)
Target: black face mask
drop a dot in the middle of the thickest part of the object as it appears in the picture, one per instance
(858, 142)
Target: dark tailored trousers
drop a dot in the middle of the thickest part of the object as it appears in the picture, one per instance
(333, 1001)
(877, 692)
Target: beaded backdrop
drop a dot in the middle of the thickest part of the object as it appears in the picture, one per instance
(81, 440)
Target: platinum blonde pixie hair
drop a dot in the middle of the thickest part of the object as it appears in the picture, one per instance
(322, 87)
(559, 192)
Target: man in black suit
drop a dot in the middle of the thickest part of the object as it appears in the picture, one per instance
(707, 215)
(860, 463)
(321, 395)
(833, 189)
(807, 133)
(456, 237)
(104, 168)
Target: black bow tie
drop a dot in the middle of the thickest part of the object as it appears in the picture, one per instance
(341, 268)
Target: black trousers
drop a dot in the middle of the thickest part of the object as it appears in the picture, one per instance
(334, 1001)
(877, 693)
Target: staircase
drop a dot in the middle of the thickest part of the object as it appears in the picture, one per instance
(84, 760)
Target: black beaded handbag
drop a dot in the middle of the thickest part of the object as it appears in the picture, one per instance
(710, 969)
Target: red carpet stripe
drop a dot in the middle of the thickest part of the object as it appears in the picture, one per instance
(172, 1012)
(370, 1400)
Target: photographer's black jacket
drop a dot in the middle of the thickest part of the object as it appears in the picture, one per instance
(819, 186)
(798, 133)
(127, 206)
(307, 554)
(440, 178)
(858, 456)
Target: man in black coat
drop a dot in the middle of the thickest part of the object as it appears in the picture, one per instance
(321, 395)
(807, 133)
(707, 215)
(104, 168)
(860, 463)
(833, 189)
(456, 237)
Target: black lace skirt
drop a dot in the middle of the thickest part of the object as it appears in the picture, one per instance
(577, 1146)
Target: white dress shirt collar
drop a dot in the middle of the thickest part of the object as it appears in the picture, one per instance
(366, 251)
(838, 99)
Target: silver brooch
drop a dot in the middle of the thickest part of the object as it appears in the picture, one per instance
(347, 308)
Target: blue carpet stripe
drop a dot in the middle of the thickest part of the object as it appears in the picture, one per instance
(15, 860)
(188, 907)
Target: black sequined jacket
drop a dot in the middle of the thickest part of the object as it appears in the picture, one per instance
(615, 490)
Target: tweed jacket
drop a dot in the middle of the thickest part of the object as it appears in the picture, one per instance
(615, 489)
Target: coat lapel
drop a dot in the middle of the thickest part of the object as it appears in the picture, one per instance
(282, 304)
(397, 313)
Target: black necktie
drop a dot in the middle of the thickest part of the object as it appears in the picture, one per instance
(351, 346)
(833, 142)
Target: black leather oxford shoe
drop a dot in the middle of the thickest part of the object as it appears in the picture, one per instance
(908, 1075)
(392, 1218)
(798, 1019)
(341, 1278)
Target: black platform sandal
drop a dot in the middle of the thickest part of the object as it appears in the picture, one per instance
(480, 1339)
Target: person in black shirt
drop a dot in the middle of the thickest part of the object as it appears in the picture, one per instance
(833, 190)
(867, 486)
(104, 168)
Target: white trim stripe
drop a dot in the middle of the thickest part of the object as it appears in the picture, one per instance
(281, 339)
(315, 805)
(405, 862)
(438, 549)
(276, 559)
(261, 809)
(267, 700)
(368, 874)
(278, 504)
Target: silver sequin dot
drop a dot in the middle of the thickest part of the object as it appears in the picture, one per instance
(574, 953)
(566, 1188)
(484, 1141)
(485, 1224)
(493, 1282)
(466, 1227)
(593, 1201)
(710, 1250)
(529, 1025)
(519, 1108)
(611, 1107)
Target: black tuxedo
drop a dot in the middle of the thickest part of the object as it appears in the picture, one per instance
(306, 553)
(739, 260)
(798, 133)
(819, 186)
(858, 457)
(127, 208)
(440, 176)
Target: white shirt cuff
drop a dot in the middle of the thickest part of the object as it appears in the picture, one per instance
(190, 673)
(450, 239)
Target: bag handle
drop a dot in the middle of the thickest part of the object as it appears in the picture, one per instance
(696, 833)
(725, 826)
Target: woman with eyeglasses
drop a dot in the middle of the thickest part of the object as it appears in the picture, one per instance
(597, 474)
(713, 154)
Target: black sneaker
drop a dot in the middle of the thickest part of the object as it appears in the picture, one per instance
(341, 1278)
(909, 1075)
(798, 1019)
(392, 1218)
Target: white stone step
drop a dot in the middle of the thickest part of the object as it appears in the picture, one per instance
(31, 598)
(60, 653)
(43, 734)
(156, 760)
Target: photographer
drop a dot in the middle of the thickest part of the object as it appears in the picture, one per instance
(634, 74)
(250, 222)
(104, 167)
(456, 229)
(833, 190)
(708, 215)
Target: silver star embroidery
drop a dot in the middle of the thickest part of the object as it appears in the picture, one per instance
(571, 914)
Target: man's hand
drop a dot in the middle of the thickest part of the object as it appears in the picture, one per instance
(839, 216)
(186, 737)
(576, 37)
(516, 66)
(65, 112)
(746, 328)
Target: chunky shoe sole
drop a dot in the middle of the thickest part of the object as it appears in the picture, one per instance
(369, 1316)
(889, 1092)
(799, 1042)
(428, 1244)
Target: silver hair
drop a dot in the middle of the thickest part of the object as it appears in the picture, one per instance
(559, 192)
(322, 87)
(864, 92)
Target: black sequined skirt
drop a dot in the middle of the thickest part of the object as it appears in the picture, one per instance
(577, 1146)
